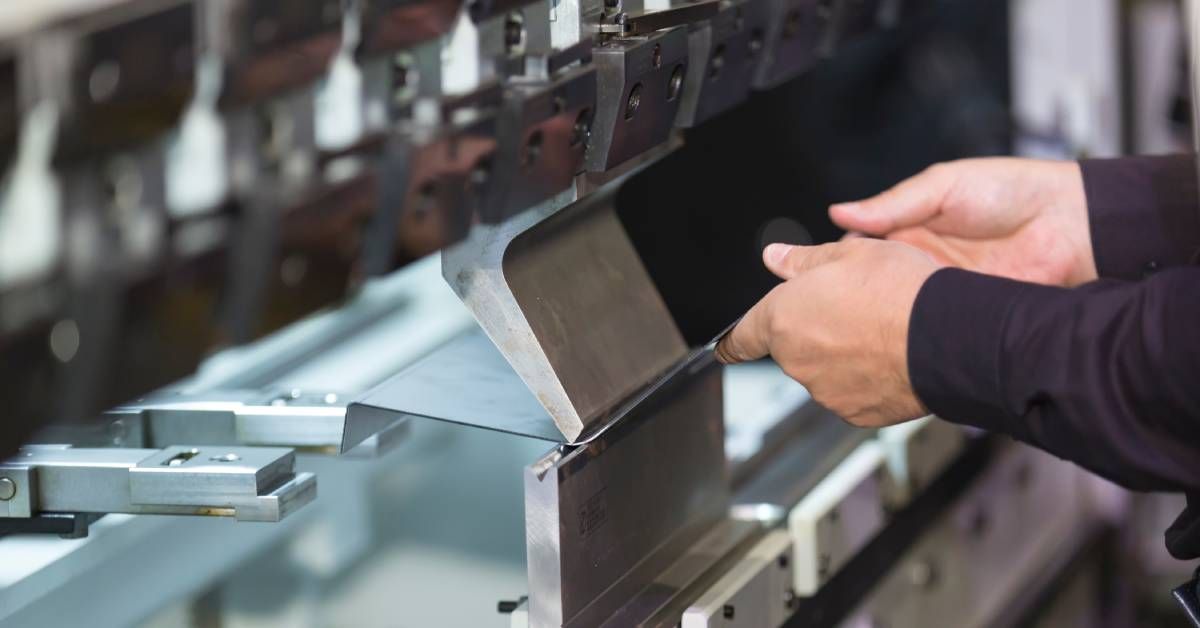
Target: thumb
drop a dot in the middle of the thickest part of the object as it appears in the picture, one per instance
(910, 202)
(787, 261)
(748, 339)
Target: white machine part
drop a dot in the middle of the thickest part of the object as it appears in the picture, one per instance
(756, 592)
(837, 518)
(967, 566)
(917, 451)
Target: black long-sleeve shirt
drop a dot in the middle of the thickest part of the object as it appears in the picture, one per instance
(1107, 374)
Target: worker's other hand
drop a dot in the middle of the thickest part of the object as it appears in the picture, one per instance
(1020, 218)
(838, 324)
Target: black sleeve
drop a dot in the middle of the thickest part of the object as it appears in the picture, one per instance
(1106, 375)
(1144, 213)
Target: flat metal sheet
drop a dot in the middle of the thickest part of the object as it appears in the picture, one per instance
(467, 382)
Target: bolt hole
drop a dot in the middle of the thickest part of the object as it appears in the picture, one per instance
(104, 81)
(675, 86)
(582, 129)
(292, 270)
(180, 458)
(404, 77)
(514, 33)
(739, 19)
(277, 130)
(633, 101)
(64, 340)
(656, 58)
(533, 148)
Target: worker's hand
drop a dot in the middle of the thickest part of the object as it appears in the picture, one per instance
(839, 325)
(1020, 218)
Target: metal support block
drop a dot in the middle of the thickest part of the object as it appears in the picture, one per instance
(245, 418)
(917, 451)
(723, 53)
(755, 592)
(543, 132)
(641, 82)
(837, 518)
(435, 178)
(793, 38)
(604, 521)
(249, 484)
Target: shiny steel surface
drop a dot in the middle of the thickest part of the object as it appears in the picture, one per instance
(251, 484)
(466, 382)
(570, 306)
(605, 520)
(640, 83)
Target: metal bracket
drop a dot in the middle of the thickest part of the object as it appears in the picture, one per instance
(249, 484)
(292, 418)
(313, 421)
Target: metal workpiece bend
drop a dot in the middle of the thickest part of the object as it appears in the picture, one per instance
(566, 299)
(247, 483)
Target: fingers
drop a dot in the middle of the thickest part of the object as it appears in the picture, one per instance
(910, 202)
(787, 261)
(748, 339)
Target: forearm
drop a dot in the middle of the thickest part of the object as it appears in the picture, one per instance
(1107, 375)
(1143, 213)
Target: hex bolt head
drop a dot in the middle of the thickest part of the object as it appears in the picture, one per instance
(8, 489)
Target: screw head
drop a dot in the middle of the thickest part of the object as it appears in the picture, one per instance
(633, 101)
(8, 489)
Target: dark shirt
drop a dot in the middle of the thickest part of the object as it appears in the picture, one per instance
(1106, 375)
